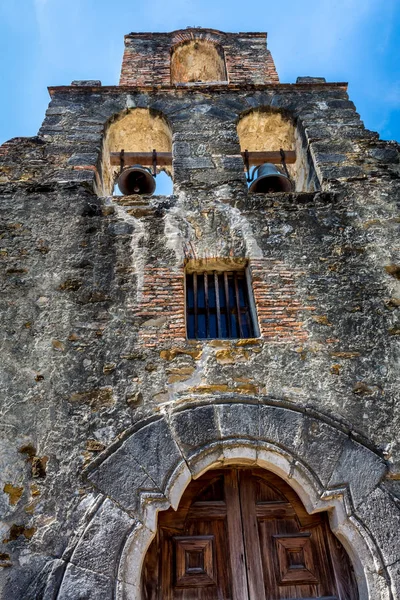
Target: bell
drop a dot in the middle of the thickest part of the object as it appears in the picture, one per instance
(136, 180)
(269, 179)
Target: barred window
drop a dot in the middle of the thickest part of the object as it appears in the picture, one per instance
(219, 305)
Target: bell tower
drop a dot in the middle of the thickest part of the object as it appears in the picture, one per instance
(200, 392)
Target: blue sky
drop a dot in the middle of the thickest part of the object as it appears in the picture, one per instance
(52, 42)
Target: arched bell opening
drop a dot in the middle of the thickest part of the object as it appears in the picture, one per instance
(243, 533)
(129, 163)
(164, 186)
(197, 61)
(264, 133)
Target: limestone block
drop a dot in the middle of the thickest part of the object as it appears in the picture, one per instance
(360, 467)
(55, 570)
(98, 549)
(142, 463)
(81, 584)
(232, 163)
(381, 515)
(156, 450)
(394, 574)
(121, 477)
(222, 113)
(83, 158)
(309, 79)
(195, 428)
(280, 426)
(320, 446)
(30, 580)
(238, 420)
(195, 162)
(86, 82)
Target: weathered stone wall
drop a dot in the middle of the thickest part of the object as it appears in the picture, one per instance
(104, 399)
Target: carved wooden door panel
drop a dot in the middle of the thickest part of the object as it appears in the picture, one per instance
(295, 554)
(243, 534)
(191, 557)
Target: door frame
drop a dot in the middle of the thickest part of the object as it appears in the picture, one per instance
(273, 459)
(253, 554)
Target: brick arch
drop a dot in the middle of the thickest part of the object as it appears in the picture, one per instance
(149, 468)
(186, 35)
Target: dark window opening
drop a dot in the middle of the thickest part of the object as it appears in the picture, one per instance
(218, 305)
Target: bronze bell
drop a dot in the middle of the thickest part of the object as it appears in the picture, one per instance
(136, 180)
(269, 179)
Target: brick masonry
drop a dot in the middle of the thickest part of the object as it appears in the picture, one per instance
(147, 57)
(280, 311)
(162, 305)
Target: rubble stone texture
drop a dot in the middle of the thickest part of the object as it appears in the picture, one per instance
(105, 403)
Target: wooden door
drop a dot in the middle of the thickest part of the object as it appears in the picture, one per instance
(243, 534)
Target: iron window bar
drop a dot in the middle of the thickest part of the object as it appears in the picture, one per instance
(218, 305)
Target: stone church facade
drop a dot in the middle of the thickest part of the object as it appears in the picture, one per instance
(152, 341)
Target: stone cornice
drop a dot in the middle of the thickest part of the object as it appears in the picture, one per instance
(129, 89)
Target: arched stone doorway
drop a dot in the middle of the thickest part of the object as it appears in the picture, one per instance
(148, 470)
(242, 533)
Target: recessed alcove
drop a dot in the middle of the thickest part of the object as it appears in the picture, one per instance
(267, 130)
(196, 61)
(138, 130)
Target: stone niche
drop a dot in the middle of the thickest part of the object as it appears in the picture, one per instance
(197, 61)
(135, 130)
(264, 130)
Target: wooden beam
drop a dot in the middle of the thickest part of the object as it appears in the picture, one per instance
(164, 159)
(258, 158)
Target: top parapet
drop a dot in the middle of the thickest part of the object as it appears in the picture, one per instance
(197, 57)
